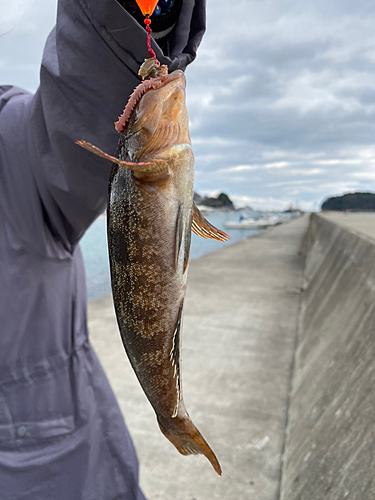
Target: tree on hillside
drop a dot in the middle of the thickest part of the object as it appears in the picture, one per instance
(352, 201)
(220, 201)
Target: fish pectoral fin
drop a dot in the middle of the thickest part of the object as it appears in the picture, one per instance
(147, 169)
(201, 227)
(141, 169)
(98, 152)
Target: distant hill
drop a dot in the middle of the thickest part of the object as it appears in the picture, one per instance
(220, 201)
(355, 202)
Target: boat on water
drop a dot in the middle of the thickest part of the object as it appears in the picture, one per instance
(248, 223)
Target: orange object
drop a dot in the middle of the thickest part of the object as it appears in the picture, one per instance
(147, 6)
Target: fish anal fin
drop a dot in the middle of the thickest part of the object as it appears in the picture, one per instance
(187, 439)
(175, 360)
(201, 227)
(141, 169)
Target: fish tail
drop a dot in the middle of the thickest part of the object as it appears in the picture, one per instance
(183, 434)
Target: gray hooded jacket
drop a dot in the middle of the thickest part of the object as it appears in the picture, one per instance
(62, 436)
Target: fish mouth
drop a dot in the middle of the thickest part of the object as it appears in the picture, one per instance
(177, 78)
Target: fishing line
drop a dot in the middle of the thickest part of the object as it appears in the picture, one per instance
(147, 7)
(147, 22)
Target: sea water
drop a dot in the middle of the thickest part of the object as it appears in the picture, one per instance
(95, 250)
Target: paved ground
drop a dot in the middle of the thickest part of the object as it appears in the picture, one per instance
(238, 345)
(363, 223)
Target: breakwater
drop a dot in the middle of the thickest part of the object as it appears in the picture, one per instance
(331, 432)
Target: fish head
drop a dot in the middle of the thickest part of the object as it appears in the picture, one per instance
(156, 117)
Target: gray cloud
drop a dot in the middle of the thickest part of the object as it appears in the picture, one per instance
(24, 27)
(290, 82)
(281, 97)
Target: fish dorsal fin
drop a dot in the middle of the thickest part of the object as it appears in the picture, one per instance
(202, 227)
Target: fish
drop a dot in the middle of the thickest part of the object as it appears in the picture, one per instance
(151, 215)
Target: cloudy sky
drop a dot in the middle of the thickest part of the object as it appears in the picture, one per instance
(281, 97)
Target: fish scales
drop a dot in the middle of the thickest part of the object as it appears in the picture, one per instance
(146, 289)
(150, 218)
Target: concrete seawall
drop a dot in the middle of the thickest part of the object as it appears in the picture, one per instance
(330, 452)
(278, 368)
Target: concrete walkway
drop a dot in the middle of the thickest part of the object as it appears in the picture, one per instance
(238, 346)
(360, 223)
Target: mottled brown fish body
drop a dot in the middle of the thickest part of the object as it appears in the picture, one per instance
(148, 280)
(150, 218)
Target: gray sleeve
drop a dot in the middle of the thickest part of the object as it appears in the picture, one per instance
(89, 69)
